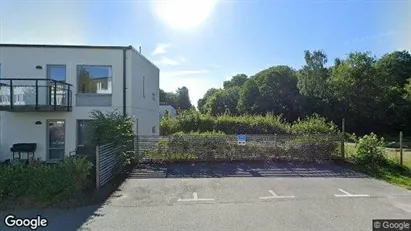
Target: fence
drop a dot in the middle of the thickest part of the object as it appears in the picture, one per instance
(229, 147)
(108, 162)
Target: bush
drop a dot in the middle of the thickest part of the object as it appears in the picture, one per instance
(45, 183)
(193, 121)
(370, 150)
(216, 145)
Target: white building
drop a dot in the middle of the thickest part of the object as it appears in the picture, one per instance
(171, 111)
(48, 91)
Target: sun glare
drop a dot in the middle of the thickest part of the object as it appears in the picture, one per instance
(184, 14)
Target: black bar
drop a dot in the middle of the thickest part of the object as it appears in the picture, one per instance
(68, 98)
(31, 79)
(11, 95)
(55, 98)
(37, 94)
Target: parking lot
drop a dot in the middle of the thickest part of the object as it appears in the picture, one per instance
(242, 197)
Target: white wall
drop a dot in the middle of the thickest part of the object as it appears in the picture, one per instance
(145, 108)
(18, 62)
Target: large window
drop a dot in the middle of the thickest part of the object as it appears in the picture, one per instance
(94, 79)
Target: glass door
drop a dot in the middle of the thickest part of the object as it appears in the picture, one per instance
(57, 73)
(56, 139)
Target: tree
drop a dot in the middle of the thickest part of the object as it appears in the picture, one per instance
(223, 101)
(395, 68)
(249, 97)
(278, 91)
(236, 81)
(203, 101)
(183, 99)
(313, 77)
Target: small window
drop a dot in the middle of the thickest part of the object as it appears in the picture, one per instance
(144, 86)
(153, 96)
(153, 129)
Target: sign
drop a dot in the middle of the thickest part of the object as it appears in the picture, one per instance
(241, 139)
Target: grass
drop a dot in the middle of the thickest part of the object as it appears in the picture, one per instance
(392, 154)
(392, 172)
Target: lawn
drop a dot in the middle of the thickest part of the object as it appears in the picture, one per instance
(392, 173)
(392, 154)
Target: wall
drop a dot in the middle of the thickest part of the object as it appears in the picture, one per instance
(144, 106)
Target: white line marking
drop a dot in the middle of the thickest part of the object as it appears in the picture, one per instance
(195, 198)
(275, 196)
(347, 194)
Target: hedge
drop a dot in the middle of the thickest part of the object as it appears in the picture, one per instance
(193, 121)
(44, 183)
(209, 146)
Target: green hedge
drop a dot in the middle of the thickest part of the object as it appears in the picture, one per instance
(192, 121)
(44, 183)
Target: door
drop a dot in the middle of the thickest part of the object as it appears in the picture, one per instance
(56, 139)
(57, 73)
(85, 143)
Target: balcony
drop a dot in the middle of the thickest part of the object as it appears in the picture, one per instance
(30, 94)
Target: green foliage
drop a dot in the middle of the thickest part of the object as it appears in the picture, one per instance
(217, 146)
(111, 127)
(193, 121)
(313, 125)
(115, 129)
(370, 150)
(371, 94)
(46, 183)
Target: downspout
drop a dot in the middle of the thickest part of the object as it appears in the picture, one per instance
(125, 81)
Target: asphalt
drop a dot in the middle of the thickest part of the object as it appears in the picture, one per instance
(161, 198)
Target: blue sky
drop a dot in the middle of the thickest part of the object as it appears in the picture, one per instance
(201, 44)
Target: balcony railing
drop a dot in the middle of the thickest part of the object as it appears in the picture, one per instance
(31, 94)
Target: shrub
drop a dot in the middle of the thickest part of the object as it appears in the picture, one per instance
(370, 150)
(193, 121)
(45, 182)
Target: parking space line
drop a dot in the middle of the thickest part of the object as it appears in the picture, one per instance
(195, 198)
(275, 196)
(347, 194)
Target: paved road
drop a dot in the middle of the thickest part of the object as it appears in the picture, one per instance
(283, 197)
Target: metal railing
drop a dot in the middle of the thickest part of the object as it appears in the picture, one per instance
(35, 92)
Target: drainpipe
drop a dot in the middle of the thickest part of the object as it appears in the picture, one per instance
(125, 81)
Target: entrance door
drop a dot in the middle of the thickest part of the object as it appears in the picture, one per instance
(56, 139)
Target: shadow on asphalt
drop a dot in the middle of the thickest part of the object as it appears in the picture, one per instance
(204, 170)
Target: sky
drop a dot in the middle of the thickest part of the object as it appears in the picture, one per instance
(201, 43)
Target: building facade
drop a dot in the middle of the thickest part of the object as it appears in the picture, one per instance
(48, 91)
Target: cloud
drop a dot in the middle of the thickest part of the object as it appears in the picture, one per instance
(164, 61)
(43, 22)
(375, 36)
(161, 48)
(185, 73)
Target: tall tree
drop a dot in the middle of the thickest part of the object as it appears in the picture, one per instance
(279, 92)
(249, 97)
(203, 101)
(223, 101)
(183, 99)
(236, 81)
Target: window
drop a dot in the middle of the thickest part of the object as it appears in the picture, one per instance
(153, 129)
(153, 96)
(144, 86)
(94, 79)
